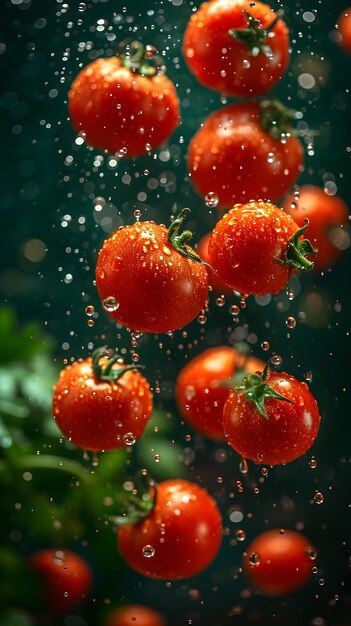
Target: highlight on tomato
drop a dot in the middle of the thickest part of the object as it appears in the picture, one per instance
(237, 47)
(204, 385)
(344, 29)
(100, 403)
(279, 562)
(328, 218)
(66, 577)
(149, 279)
(271, 418)
(125, 104)
(178, 537)
(135, 615)
(246, 152)
(255, 247)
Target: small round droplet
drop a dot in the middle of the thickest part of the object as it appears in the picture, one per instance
(137, 214)
(202, 319)
(243, 466)
(318, 497)
(89, 310)
(90, 323)
(311, 553)
(276, 360)
(135, 357)
(254, 559)
(129, 439)
(110, 304)
(308, 376)
(313, 463)
(211, 200)
(291, 322)
(265, 345)
(157, 458)
(246, 64)
(82, 7)
(148, 551)
(234, 310)
(240, 535)
(220, 301)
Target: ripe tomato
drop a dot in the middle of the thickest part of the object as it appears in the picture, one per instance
(344, 27)
(217, 285)
(135, 615)
(149, 279)
(237, 47)
(254, 248)
(123, 105)
(101, 404)
(272, 418)
(67, 578)
(200, 392)
(179, 538)
(327, 216)
(279, 562)
(239, 155)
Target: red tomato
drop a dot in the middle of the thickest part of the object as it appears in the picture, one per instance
(148, 281)
(327, 216)
(233, 156)
(271, 419)
(123, 110)
(254, 248)
(200, 392)
(67, 578)
(180, 537)
(97, 409)
(279, 562)
(217, 285)
(135, 615)
(237, 47)
(344, 26)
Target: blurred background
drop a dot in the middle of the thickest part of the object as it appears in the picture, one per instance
(59, 200)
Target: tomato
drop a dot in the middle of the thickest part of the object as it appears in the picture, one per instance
(67, 578)
(272, 418)
(101, 404)
(236, 47)
(149, 279)
(255, 247)
(135, 615)
(239, 155)
(215, 283)
(327, 215)
(279, 562)
(123, 105)
(200, 392)
(179, 538)
(344, 27)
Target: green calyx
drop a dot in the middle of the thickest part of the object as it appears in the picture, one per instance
(254, 36)
(297, 251)
(134, 508)
(276, 118)
(256, 390)
(108, 371)
(140, 59)
(178, 240)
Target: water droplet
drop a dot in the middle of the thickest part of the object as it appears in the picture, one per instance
(110, 304)
(243, 466)
(211, 200)
(82, 7)
(234, 310)
(90, 323)
(129, 439)
(89, 310)
(240, 535)
(202, 319)
(276, 360)
(291, 322)
(243, 303)
(254, 559)
(157, 458)
(311, 553)
(220, 301)
(265, 345)
(148, 551)
(318, 497)
(137, 214)
(313, 463)
(246, 64)
(308, 376)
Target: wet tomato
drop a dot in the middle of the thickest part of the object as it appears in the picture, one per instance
(149, 279)
(202, 387)
(241, 153)
(214, 282)
(272, 418)
(255, 247)
(135, 615)
(123, 105)
(328, 216)
(66, 577)
(344, 28)
(179, 538)
(236, 47)
(279, 562)
(102, 404)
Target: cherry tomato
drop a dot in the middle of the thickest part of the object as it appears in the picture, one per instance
(327, 215)
(148, 280)
(179, 538)
(271, 419)
(124, 110)
(237, 47)
(200, 392)
(236, 156)
(279, 562)
(67, 578)
(344, 27)
(101, 404)
(217, 285)
(254, 248)
(135, 615)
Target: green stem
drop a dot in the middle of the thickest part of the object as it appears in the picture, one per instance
(46, 462)
(258, 391)
(276, 118)
(180, 241)
(109, 372)
(297, 251)
(254, 36)
(138, 58)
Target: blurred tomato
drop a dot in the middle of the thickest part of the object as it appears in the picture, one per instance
(344, 27)
(135, 615)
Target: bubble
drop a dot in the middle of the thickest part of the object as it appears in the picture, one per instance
(240, 535)
(265, 345)
(311, 553)
(82, 7)
(110, 304)
(243, 303)
(243, 466)
(291, 322)
(90, 323)
(313, 463)
(148, 551)
(220, 301)
(234, 310)
(318, 497)
(157, 458)
(202, 319)
(308, 376)
(276, 360)
(129, 439)
(254, 559)
(89, 310)
(246, 64)
(211, 200)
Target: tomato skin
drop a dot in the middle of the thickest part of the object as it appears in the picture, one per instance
(217, 285)
(289, 431)
(344, 26)
(184, 528)
(234, 157)
(324, 214)
(284, 564)
(200, 393)
(63, 572)
(157, 288)
(135, 615)
(96, 414)
(245, 244)
(207, 35)
(147, 111)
